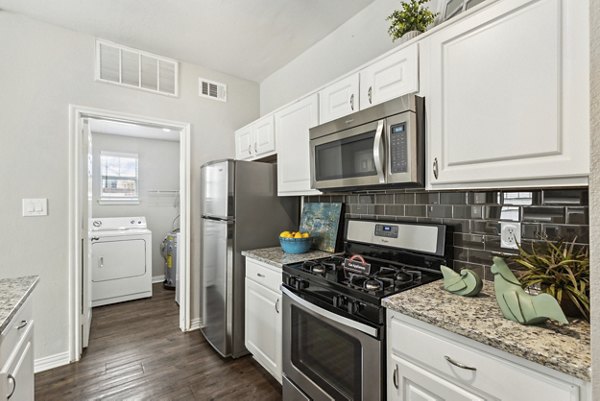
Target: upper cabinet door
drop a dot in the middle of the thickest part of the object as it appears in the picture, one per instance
(293, 157)
(339, 99)
(264, 136)
(244, 142)
(507, 97)
(393, 76)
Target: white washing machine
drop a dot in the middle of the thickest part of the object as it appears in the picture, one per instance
(121, 259)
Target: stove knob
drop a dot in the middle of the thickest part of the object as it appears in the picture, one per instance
(338, 301)
(300, 284)
(353, 307)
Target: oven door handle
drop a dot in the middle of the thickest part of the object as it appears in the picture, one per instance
(378, 153)
(372, 331)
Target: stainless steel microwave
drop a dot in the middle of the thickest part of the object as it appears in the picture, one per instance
(382, 146)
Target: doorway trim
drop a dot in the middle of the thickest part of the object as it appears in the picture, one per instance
(76, 115)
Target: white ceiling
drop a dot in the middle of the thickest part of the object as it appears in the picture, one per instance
(133, 130)
(245, 38)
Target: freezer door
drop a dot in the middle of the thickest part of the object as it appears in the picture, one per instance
(217, 263)
(217, 189)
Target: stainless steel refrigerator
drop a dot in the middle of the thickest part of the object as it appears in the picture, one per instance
(240, 211)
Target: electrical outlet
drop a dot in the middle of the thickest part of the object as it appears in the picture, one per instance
(510, 234)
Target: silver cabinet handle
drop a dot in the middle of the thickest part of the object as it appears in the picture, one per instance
(12, 379)
(378, 156)
(260, 275)
(458, 364)
(435, 168)
(101, 262)
(352, 102)
(249, 148)
(277, 305)
(370, 94)
(255, 148)
(22, 324)
(395, 377)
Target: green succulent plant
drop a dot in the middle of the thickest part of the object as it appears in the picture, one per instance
(560, 269)
(413, 16)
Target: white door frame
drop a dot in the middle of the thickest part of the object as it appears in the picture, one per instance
(76, 114)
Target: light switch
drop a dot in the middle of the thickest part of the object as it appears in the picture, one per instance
(35, 207)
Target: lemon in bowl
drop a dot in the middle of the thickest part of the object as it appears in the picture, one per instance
(295, 242)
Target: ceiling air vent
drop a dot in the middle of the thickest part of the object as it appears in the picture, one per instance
(134, 68)
(213, 90)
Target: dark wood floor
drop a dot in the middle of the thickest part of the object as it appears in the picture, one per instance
(137, 352)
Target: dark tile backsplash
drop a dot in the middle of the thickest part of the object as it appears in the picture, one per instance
(475, 216)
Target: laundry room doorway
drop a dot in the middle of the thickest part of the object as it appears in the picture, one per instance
(129, 230)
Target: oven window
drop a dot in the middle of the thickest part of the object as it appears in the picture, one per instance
(328, 356)
(345, 158)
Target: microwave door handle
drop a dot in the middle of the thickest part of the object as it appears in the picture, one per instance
(378, 156)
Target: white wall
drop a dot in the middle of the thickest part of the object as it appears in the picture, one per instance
(44, 69)
(360, 39)
(595, 191)
(158, 168)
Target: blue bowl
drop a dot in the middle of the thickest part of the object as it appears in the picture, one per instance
(295, 245)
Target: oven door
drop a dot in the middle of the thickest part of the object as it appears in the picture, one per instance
(327, 356)
(349, 158)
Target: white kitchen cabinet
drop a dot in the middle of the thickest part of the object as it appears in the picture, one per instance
(425, 362)
(263, 315)
(292, 124)
(413, 383)
(255, 140)
(339, 99)
(390, 77)
(264, 136)
(393, 76)
(507, 96)
(16, 356)
(243, 143)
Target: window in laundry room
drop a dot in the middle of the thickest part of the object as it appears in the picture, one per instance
(119, 173)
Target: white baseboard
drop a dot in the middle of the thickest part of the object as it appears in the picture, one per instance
(158, 279)
(51, 362)
(195, 324)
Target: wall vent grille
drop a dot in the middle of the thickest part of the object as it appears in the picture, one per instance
(212, 90)
(121, 65)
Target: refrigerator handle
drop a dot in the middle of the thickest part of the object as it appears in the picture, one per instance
(218, 219)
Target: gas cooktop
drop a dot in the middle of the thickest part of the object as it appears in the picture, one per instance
(383, 279)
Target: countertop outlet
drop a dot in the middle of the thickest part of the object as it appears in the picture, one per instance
(510, 235)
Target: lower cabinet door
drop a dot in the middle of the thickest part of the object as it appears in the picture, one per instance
(18, 371)
(263, 326)
(409, 382)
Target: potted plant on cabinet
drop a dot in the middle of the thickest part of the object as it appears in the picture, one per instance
(560, 269)
(412, 20)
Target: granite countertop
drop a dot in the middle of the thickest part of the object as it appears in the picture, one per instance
(13, 293)
(562, 348)
(276, 257)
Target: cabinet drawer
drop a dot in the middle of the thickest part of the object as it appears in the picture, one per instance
(263, 275)
(491, 376)
(14, 332)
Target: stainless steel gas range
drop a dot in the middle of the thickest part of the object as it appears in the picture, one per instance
(333, 321)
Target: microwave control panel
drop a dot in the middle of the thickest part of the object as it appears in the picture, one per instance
(398, 148)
